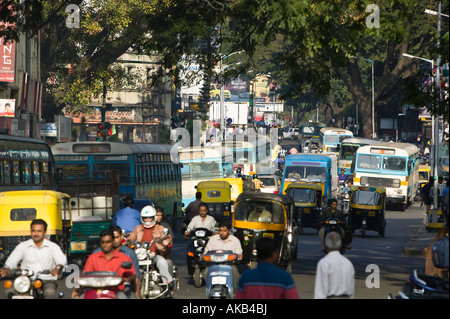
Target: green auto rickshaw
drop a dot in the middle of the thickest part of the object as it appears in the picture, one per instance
(366, 209)
(308, 203)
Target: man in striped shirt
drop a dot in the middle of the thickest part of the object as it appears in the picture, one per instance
(266, 281)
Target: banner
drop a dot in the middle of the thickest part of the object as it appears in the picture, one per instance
(7, 108)
(7, 60)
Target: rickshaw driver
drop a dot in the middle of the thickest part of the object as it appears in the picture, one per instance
(260, 214)
(333, 212)
(294, 175)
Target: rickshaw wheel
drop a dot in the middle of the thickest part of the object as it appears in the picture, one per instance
(197, 278)
(363, 233)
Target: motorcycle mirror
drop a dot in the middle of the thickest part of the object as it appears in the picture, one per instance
(165, 231)
(126, 265)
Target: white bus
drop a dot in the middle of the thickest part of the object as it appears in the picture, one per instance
(394, 166)
(348, 150)
(330, 139)
(202, 164)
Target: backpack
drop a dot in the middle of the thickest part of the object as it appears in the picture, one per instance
(439, 253)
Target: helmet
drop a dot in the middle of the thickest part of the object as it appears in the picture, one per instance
(148, 211)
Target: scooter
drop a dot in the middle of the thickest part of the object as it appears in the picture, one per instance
(422, 286)
(103, 284)
(334, 225)
(219, 279)
(25, 285)
(199, 238)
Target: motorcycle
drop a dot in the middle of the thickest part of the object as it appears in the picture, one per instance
(152, 284)
(199, 238)
(334, 225)
(422, 286)
(219, 279)
(104, 284)
(25, 285)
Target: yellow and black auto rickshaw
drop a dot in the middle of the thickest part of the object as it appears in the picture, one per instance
(19, 208)
(217, 194)
(263, 215)
(308, 203)
(366, 211)
(236, 186)
(424, 177)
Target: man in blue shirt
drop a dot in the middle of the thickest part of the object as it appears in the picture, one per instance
(127, 218)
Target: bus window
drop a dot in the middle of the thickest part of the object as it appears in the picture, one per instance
(26, 172)
(369, 161)
(123, 168)
(394, 163)
(36, 173)
(16, 172)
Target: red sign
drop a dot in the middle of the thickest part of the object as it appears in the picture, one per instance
(7, 60)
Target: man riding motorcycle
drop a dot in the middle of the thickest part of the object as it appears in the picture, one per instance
(333, 212)
(150, 230)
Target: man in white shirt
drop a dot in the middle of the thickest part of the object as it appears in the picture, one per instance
(38, 254)
(202, 220)
(335, 274)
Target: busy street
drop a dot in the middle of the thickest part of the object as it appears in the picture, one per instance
(228, 149)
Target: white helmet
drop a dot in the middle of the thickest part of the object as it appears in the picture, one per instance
(148, 211)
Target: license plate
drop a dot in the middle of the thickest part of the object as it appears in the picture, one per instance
(22, 297)
(78, 246)
(145, 262)
(372, 213)
(226, 213)
(306, 210)
(220, 280)
(268, 235)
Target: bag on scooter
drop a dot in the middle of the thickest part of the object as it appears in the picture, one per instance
(440, 253)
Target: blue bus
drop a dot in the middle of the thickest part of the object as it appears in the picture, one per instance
(347, 153)
(202, 164)
(320, 168)
(330, 138)
(146, 171)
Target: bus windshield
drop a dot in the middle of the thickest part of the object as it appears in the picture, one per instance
(369, 161)
(310, 173)
(347, 152)
(394, 163)
(200, 170)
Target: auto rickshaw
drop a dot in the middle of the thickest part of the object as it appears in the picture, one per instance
(19, 208)
(262, 215)
(236, 186)
(424, 177)
(367, 206)
(217, 194)
(308, 203)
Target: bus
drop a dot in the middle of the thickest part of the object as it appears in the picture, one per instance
(202, 164)
(320, 168)
(146, 171)
(330, 139)
(251, 153)
(25, 164)
(394, 166)
(348, 150)
(310, 130)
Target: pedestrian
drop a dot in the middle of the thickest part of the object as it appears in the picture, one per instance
(257, 183)
(266, 281)
(128, 217)
(335, 274)
(427, 198)
(192, 209)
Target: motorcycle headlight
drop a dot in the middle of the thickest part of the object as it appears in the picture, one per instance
(200, 233)
(22, 284)
(100, 281)
(141, 253)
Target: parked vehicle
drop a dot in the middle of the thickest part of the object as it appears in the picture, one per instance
(219, 280)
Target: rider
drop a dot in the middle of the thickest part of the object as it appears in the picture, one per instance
(202, 220)
(38, 254)
(109, 259)
(342, 177)
(225, 241)
(332, 212)
(148, 231)
(128, 217)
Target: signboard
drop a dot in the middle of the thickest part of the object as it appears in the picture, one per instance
(49, 129)
(7, 107)
(7, 59)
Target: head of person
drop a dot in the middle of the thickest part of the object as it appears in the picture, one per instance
(38, 229)
(255, 176)
(148, 216)
(350, 183)
(332, 203)
(128, 202)
(118, 236)
(333, 241)
(198, 195)
(107, 240)
(267, 250)
(159, 214)
(259, 208)
(203, 210)
(224, 229)
(342, 171)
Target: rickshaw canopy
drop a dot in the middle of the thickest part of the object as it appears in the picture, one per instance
(307, 193)
(363, 197)
(19, 208)
(236, 186)
(215, 191)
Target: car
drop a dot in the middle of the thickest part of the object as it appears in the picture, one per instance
(291, 132)
(214, 93)
(270, 184)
